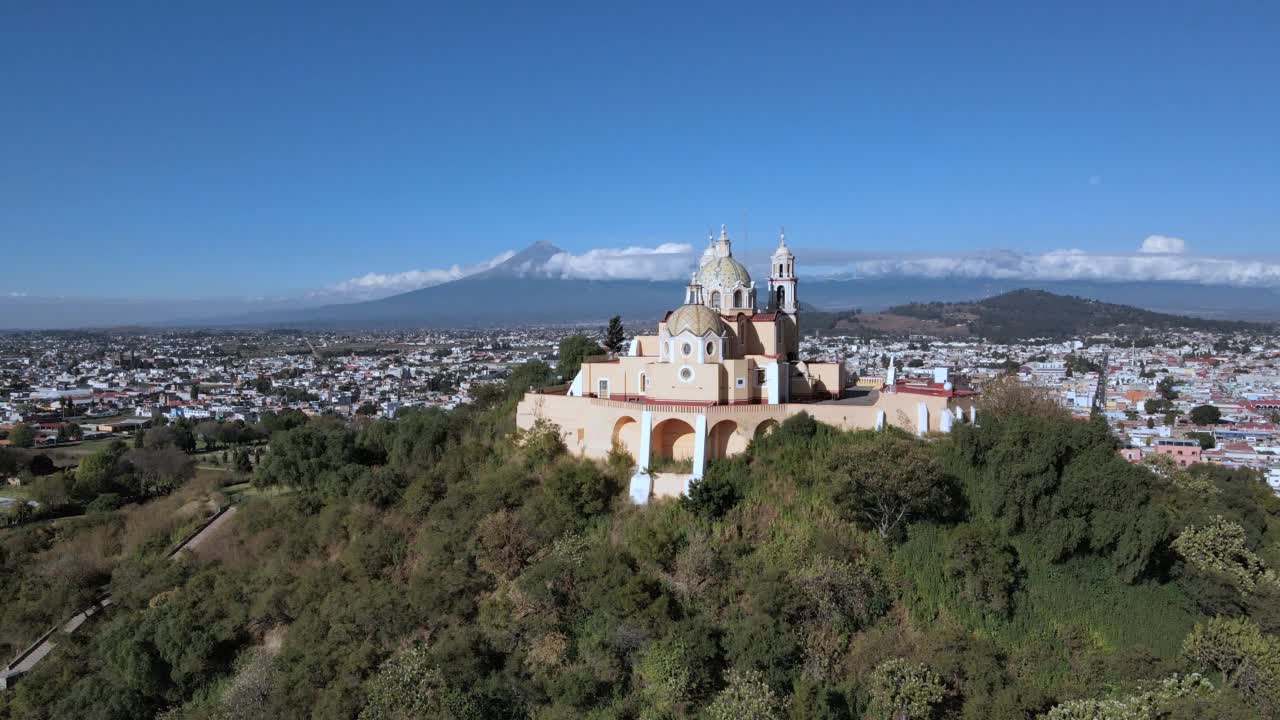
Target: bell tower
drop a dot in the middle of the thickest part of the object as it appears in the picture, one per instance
(782, 278)
(782, 297)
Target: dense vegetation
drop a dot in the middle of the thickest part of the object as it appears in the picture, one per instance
(1023, 314)
(155, 463)
(443, 565)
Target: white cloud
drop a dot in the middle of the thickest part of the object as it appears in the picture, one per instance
(15, 294)
(375, 285)
(1163, 245)
(668, 261)
(1160, 259)
(1065, 265)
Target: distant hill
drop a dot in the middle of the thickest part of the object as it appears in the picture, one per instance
(1023, 314)
(1224, 302)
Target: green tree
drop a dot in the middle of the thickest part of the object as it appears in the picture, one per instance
(979, 556)
(1220, 547)
(1062, 483)
(412, 685)
(1205, 415)
(1146, 705)
(99, 472)
(666, 679)
(53, 490)
(713, 494)
(22, 435)
(159, 471)
(887, 481)
(1247, 659)
(746, 697)
(178, 435)
(243, 464)
(615, 336)
(1205, 439)
(64, 433)
(208, 430)
(1165, 390)
(904, 691)
(573, 349)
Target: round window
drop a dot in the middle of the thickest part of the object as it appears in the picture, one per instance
(686, 374)
(711, 348)
(687, 349)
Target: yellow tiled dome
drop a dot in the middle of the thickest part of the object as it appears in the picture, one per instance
(723, 273)
(697, 319)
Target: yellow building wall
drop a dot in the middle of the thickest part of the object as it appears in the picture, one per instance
(588, 425)
(708, 379)
(647, 345)
(761, 338)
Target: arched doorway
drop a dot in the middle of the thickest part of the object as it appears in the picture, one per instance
(626, 434)
(673, 439)
(725, 440)
(766, 427)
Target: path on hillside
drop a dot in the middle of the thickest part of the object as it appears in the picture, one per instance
(203, 534)
(26, 661)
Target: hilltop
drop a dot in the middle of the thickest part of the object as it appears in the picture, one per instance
(443, 565)
(1023, 314)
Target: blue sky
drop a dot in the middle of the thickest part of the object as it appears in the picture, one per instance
(240, 150)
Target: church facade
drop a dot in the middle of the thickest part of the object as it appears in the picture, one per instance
(721, 370)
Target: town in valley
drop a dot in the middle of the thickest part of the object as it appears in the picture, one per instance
(1195, 396)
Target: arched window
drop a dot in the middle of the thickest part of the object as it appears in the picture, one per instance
(715, 299)
(737, 298)
(782, 297)
(711, 348)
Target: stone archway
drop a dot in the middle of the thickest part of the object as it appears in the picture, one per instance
(626, 434)
(724, 440)
(673, 439)
(766, 427)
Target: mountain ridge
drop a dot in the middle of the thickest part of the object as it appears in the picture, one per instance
(1024, 314)
(528, 288)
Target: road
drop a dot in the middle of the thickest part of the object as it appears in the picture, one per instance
(27, 661)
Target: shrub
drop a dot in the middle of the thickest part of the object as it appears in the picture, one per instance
(986, 565)
(905, 691)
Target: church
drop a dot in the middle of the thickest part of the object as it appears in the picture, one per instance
(720, 371)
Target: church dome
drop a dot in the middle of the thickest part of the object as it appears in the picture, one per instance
(724, 273)
(697, 319)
